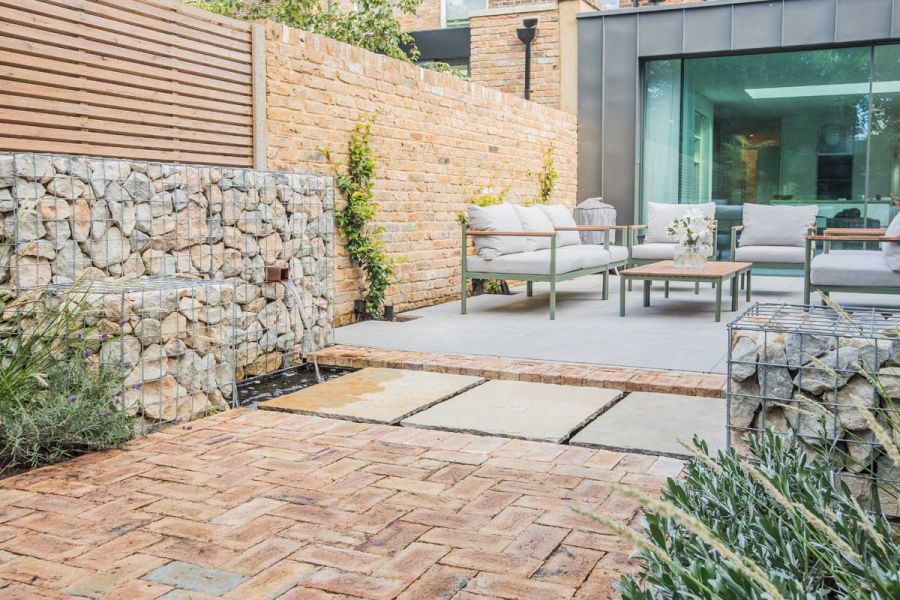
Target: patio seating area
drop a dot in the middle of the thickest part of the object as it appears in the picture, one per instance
(676, 333)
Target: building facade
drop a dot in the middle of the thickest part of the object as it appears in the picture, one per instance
(743, 101)
(480, 38)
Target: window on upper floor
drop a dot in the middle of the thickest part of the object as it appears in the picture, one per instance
(456, 12)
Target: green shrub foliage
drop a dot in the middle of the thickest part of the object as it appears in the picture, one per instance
(56, 400)
(354, 220)
(771, 527)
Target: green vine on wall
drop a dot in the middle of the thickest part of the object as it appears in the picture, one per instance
(354, 220)
(547, 177)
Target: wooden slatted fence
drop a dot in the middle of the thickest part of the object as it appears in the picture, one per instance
(137, 79)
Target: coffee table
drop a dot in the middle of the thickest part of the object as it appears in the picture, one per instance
(715, 272)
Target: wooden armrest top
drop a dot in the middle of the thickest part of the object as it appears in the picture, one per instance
(637, 226)
(592, 228)
(852, 231)
(512, 233)
(852, 238)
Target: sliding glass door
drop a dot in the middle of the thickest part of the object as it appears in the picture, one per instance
(809, 127)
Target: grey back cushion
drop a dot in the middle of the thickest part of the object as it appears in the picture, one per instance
(534, 219)
(499, 217)
(766, 225)
(561, 216)
(891, 250)
(660, 216)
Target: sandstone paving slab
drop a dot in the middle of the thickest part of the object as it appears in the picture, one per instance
(519, 409)
(374, 395)
(651, 423)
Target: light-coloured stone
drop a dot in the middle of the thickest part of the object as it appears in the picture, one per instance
(858, 392)
(743, 359)
(518, 409)
(112, 248)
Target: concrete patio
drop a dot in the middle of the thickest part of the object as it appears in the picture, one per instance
(676, 333)
(254, 504)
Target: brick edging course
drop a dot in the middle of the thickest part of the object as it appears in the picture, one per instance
(628, 379)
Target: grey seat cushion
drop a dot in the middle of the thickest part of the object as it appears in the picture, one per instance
(594, 255)
(561, 216)
(791, 255)
(568, 259)
(857, 268)
(653, 251)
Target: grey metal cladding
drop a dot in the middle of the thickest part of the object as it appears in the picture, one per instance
(590, 108)
(661, 33)
(863, 20)
(808, 22)
(620, 83)
(756, 26)
(707, 30)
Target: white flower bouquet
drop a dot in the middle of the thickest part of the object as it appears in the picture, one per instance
(693, 232)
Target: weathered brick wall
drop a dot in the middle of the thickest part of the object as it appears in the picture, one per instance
(427, 17)
(439, 140)
(498, 57)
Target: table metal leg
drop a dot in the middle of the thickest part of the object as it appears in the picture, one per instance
(734, 293)
(646, 293)
(696, 288)
(622, 295)
(719, 302)
(666, 295)
(748, 286)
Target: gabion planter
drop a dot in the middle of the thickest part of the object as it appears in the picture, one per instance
(801, 369)
(174, 341)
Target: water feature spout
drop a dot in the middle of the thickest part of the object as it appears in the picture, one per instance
(292, 291)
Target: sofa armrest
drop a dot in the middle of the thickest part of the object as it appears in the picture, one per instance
(512, 233)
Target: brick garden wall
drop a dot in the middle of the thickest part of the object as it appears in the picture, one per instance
(439, 140)
(498, 57)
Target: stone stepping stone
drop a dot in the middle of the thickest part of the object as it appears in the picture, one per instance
(650, 423)
(374, 395)
(518, 409)
(196, 578)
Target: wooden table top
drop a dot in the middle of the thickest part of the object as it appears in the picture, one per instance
(666, 268)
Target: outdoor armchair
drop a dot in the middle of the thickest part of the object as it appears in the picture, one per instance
(773, 236)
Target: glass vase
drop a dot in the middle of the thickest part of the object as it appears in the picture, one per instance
(690, 256)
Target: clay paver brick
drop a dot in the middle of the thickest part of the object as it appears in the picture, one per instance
(316, 508)
(196, 578)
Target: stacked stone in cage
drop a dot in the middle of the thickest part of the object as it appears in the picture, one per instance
(810, 370)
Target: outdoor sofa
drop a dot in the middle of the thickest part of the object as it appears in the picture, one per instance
(535, 243)
(862, 271)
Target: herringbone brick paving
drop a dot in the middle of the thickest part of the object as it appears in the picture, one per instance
(251, 504)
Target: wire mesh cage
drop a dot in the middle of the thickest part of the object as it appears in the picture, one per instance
(171, 341)
(65, 218)
(830, 376)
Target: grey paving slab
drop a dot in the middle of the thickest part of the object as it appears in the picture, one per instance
(677, 332)
(532, 411)
(653, 423)
(374, 395)
(187, 576)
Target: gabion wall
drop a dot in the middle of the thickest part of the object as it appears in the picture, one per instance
(64, 218)
(797, 368)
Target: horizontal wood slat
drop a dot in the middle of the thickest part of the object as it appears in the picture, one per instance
(135, 79)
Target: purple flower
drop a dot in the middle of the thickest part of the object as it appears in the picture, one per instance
(103, 337)
(87, 353)
(71, 399)
(137, 386)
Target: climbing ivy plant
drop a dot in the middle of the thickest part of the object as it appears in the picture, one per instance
(547, 177)
(354, 220)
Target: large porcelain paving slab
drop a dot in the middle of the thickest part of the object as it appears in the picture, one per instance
(519, 409)
(653, 423)
(374, 395)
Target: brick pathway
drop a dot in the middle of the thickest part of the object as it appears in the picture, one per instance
(252, 504)
(627, 379)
